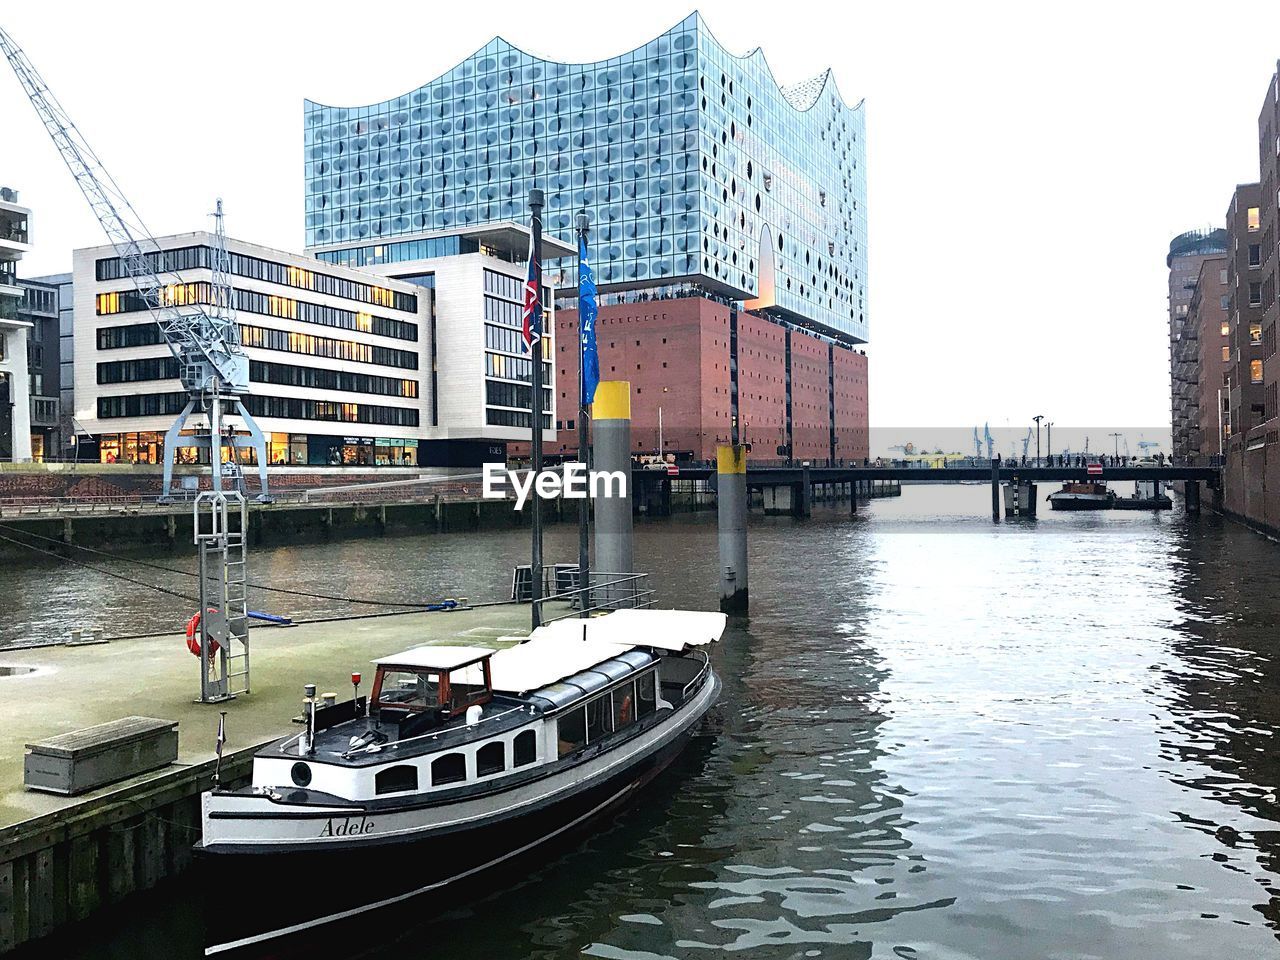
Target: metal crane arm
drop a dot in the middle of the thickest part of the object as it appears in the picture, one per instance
(205, 343)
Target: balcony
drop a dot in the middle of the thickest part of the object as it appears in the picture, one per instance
(44, 411)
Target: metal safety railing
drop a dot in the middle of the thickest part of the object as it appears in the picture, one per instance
(606, 591)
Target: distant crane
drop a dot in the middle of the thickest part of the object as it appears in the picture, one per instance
(1026, 442)
(907, 448)
(212, 367)
(977, 445)
(990, 441)
(204, 338)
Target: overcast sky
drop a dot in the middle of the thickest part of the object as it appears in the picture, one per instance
(1026, 169)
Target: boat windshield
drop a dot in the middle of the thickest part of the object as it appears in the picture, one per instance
(409, 689)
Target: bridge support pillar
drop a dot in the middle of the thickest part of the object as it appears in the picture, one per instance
(731, 516)
(1019, 499)
(1191, 496)
(803, 500)
(778, 499)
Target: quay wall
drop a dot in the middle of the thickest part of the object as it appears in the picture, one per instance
(64, 867)
(1251, 483)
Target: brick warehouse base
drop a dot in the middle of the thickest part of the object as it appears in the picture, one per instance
(677, 355)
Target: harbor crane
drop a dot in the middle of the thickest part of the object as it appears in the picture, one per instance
(214, 371)
(977, 445)
(1026, 443)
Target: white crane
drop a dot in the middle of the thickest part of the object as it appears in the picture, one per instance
(204, 338)
(213, 368)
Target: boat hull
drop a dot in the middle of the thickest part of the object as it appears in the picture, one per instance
(290, 894)
(1080, 501)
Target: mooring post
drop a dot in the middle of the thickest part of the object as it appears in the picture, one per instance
(611, 452)
(995, 492)
(804, 502)
(731, 515)
(1191, 496)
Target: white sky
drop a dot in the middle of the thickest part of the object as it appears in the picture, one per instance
(1026, 169)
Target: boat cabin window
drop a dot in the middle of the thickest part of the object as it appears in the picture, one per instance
(407, 689)
(524, 748)
(467, 686)
(396, 779)
(624, 705)
(450, 768)
(599, 718)
(646, 702)
(491, 759)
(572, 730)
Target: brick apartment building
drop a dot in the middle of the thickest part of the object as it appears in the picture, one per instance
(1252, 468)
(1208, 341)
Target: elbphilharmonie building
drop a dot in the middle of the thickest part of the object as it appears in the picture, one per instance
(703, 178)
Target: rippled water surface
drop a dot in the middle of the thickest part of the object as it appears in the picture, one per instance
(938, 737)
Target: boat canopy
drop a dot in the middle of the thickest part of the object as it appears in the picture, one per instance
(436, 658)
(564, 647)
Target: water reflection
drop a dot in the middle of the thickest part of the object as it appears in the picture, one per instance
(938, 738)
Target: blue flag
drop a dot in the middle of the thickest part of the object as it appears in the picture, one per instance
(589, 357)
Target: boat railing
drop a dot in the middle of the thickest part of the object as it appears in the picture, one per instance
(698, 677)
(433, 735)
(607, 591)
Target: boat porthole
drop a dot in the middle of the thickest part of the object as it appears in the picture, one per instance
(301, 774)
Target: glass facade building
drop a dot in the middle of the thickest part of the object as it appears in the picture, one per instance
(694, 165)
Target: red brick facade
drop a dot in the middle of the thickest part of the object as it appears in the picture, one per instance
(676, 355)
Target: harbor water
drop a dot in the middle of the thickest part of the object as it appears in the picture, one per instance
(939, 738)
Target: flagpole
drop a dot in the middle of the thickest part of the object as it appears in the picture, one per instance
(584, 450)
(535, 409)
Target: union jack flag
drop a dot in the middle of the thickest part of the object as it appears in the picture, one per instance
(532, 318)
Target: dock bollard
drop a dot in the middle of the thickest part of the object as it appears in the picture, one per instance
(611, 450)
(731, 513)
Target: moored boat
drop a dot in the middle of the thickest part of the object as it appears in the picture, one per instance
(462, 759)
(1082, 495)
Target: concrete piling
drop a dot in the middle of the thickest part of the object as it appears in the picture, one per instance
(1191, 496)
(995, 491)
(611, 446)
(731, 513)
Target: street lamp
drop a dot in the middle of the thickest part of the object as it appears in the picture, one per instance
(1116, 437)
(1037, 418)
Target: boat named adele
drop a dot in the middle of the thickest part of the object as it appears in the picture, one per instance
(462, 758)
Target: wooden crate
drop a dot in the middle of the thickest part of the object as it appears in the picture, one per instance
(85, 759)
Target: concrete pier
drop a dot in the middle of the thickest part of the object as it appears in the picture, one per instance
(731, 507)
(64, 859)
(1191, 496)
(611, 450)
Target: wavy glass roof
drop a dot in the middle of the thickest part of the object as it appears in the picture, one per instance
(689, 159)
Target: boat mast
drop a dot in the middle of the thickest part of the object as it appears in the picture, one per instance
(584, 449)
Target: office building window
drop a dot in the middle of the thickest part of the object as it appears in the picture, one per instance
(1253, 219)
(1255, 371)
(1255, 255)
(1255, 334)
(1226, 354)
(1255, 294)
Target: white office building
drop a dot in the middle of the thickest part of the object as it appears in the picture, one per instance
(347, 367)
(15, 402)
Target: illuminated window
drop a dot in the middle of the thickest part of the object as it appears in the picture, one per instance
(108, 303)
(364, 322)
(1255, 333)
(1226, 329)
(1255, 371)
(1226, 354)
(1254, 223)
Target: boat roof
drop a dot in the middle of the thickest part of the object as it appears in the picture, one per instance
(437, 657)
(566, 647)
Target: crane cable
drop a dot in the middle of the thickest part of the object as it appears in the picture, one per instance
(185, 573)
(109, 573)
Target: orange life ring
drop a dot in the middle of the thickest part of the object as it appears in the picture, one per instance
(193, 636)
(625, 712)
